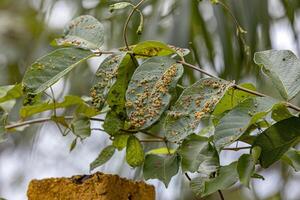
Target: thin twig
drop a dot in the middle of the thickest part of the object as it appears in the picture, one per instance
(127, 22)
(151, 140)
(41, 120)
(187, 176)
(221, 195)
(236, 148)
(288, 104)
(152, 135)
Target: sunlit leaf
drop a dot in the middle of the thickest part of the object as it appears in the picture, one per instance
(148, 94)
(84, 32)
(120, 141)
(161, 151)
(283, 67)
(161, 167)
(152, 48)
(233, 124)
(280, 112)
(47, 70)
(28, 111)
(10, 92)
(277, 140)
(245, 168)
(103, 157)
(134, 152)
(196, 101)
(292, 157)
(197, 154)
(80, 126)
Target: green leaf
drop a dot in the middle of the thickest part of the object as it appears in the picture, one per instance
(120, 141)
(113, 124)
(103, 157)
(277, 139)
(106, 76)
(3, 117)
(148, 94)
(28, 111)
(134, 152)
(161, 151)
(118, 6)
(233, 124)
(197, 154)
(280, 112)
(161, 167)
(152, 48)
(73, 144)
(292, 157)
(49, 69)
(227, 176)
(80, 126)
(245, 168)
(195, 102)
(180, 51)
(283, 67)
(85, 32)
(232, 98)
(10, 92)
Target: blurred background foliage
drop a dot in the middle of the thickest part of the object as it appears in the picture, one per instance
(28, 26)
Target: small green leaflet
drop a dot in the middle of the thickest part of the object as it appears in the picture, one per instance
(149, 91)
(283, 67)
(80, 126)
(28, 111)
(195, 102)
(197, 154)
(3, 117)
(245, 168)
(234, 123)
(50, 68)
(292, 157)
(161, 167)
(227, 176)
(118, 6)
(152, 48)
(85, 32)
(161, 151)
(10, 92)
(233, 97)
(277, 139)
(134, 152)
(280, 112)
(120, 141)
(103, 157)
(106, 76)
(113, 124)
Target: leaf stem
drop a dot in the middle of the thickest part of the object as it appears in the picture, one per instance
(151, 140)
(127, 22)
(41, 120)
(236, 148)
(221, 195)
(288, 104)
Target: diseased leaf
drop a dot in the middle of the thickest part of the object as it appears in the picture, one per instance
(134, 152)
(195, 102)
(28, 111)
(103, 157)
(245, 168)
(85, 32)
(49, 69)
(292, 157)
(197, 154)
(148, 94)
(80, 126)
(283, 67)
(180, 51)
(232, 98)
(161, 167)
(106, 76)
(233, 124)
(161, 151)
(277, 139)
(120, 141)
(152, 48)
(227, 176)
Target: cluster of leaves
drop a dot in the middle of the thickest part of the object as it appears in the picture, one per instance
(137, 87)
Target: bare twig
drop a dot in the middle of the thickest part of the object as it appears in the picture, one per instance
(236, 148)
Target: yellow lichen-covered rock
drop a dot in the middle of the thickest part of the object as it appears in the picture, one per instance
(98, 186)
